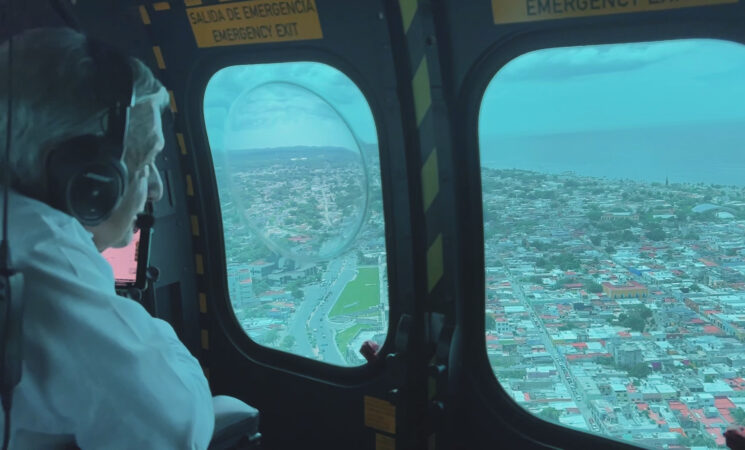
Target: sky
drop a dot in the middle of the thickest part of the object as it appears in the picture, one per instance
(284, 105)
(641, 110)
(617, 86)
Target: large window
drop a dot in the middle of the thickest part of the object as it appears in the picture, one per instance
(614, 226)
(298, 172)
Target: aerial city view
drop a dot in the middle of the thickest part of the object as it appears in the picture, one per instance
(618, 306)
(613, 189)
(297, 167)
(305, 250)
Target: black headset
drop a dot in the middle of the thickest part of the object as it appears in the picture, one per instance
(86, 175)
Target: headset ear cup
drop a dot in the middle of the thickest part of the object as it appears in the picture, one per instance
(84, 180)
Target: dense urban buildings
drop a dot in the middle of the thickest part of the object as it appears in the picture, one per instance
(618, 306)
(612, 306)
(305, 248)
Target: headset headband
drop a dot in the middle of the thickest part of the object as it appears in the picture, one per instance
(113, 84)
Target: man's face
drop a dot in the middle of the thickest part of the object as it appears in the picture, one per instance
(144, 184)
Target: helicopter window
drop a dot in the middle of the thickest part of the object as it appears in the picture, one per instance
(298, 172)
(613, 181)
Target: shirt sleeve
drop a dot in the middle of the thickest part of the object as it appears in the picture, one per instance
(119, 377)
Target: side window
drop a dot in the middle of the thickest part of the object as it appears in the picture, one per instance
(613, 182)
(296, 160)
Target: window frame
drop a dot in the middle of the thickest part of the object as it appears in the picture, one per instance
(486, 390)
(222, 314)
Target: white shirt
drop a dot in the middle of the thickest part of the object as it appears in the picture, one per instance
(97, 367)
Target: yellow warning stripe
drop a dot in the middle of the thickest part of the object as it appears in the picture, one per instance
(192, 2)
(174, 109)
(422, 94)
(380, 414)
(408, 11)
(203, 303)
(144, 15)
(181, 142)
(430, 180)
(434, 263)
(514, 11)
(199, 262)
(189, 186)
(205, 340)
(159, 57)
(195, 225)
(161, 6)
(383, 442)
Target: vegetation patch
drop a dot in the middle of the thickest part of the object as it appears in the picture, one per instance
(345, 337)
(360, 294)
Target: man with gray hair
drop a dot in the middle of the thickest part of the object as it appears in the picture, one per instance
(98, 370)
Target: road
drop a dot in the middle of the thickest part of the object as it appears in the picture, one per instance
(314, 332)
(334, 280)
(578, 395)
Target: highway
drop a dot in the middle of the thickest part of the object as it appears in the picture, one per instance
(310, 325)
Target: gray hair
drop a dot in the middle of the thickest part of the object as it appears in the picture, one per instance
(52, 102)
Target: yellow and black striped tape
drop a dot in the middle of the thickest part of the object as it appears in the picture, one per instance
(422, 91)
(145, 15)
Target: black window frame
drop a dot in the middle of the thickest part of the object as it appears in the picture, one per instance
(396, 211)
(483, 388)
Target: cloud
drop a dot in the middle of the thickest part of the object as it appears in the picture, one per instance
(563, 63)
(557, 90)
(254, 103)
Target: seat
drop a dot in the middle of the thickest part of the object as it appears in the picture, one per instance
(236, 428)
(236, 425)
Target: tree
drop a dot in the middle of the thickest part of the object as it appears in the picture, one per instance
(636, 318)
(298, 294)
(644, 312)
(703, 441)
(512, 373)
(491, 324)
(656, 234)
(288, 342)
(594, 287)
(739, 416)
(566, 261)
(628, 236)
(550, 413)
(271, 337)
(634, 322)
(595, 240)
(260, 286)
(639, 371)
(610, 249)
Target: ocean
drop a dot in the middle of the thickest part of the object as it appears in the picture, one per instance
(704, 153)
